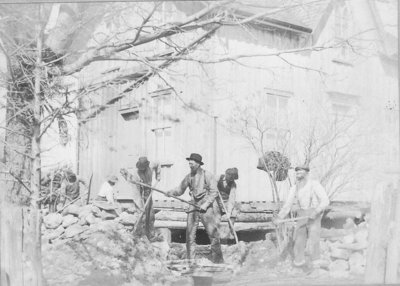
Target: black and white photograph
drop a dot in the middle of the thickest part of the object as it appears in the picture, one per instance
(199, 143)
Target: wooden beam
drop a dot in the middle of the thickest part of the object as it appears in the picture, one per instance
(239, 226)
(378, 235)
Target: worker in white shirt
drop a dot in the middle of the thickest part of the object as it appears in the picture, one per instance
(106, 192)
(311, 199)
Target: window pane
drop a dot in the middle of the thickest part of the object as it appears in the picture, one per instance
(158, 132)
(283, 113)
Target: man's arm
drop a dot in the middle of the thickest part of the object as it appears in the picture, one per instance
(232, 199)
(288, 204)
(110, 195)
(213, 192)
(323, 199)
(178, 191)
(156, 167)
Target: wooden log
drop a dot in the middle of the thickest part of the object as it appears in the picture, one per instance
(242, 217)
(239, 226)
(378, 236)
(344, 214)
(393, 250)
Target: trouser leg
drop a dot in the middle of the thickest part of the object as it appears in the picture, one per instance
(314, 234)
(300, 242)
(210, 222)
(191, 228)
(150, 218)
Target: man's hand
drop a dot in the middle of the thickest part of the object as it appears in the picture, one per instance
(275, 220)
(203, 208)
(169, 193)
(123, 172)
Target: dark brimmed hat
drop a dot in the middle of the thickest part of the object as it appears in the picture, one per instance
(196, 157)
(302, 167)
(142, 164)
(233, 173)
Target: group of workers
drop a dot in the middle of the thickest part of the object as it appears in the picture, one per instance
(212, 198)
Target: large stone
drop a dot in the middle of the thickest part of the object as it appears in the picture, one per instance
(348, 239)
(339, 269)
(82, 221)
(128, 219)
(69, 220)
(54, 234)
(91, 219)
(52, 220)
(105, 215)
(318, 273)
(96, 211)
(357, 263)
(339, 253)
(74, 230)
(72, 209)
(105, 226)
(361, 236)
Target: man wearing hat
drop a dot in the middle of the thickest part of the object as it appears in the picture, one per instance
(311, 200)
(203, 190)
(106, 192)
(145, 172)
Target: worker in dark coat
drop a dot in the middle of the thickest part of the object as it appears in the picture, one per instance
(227, 188)
(203, 190)
(145, 171)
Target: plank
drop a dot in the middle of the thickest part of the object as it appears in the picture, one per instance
(242, 217)
(239, 226)
(378, 235)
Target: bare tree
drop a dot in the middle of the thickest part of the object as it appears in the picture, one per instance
(253, 120)
(330, 146)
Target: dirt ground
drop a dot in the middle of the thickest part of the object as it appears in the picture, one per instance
(257, 263)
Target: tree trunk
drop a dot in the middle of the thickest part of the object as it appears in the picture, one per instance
(378, 235)
(36, 155)
(393, 249)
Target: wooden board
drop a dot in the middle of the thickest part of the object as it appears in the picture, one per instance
(242, 217)
(239, 226)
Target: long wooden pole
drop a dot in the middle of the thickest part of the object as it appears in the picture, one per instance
(89, 187)
(229, 219)
(164, 193)
(36, 155)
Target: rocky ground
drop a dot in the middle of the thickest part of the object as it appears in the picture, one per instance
(90, 246)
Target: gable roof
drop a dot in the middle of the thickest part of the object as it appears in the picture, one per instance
(297, 15)
(301, 13)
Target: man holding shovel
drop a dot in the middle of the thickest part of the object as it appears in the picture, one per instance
(203, 190)
(145, 172)
(311, 200)
(227, 196)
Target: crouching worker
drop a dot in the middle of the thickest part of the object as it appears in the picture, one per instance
(203, 190)
(106, 193)
(311, 200)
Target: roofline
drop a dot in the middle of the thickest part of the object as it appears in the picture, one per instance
(268, 21)
(378, 24)
(322, 23)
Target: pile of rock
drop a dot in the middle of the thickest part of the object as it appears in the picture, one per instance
(91, 246)
(75, 220)
(344, 250)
